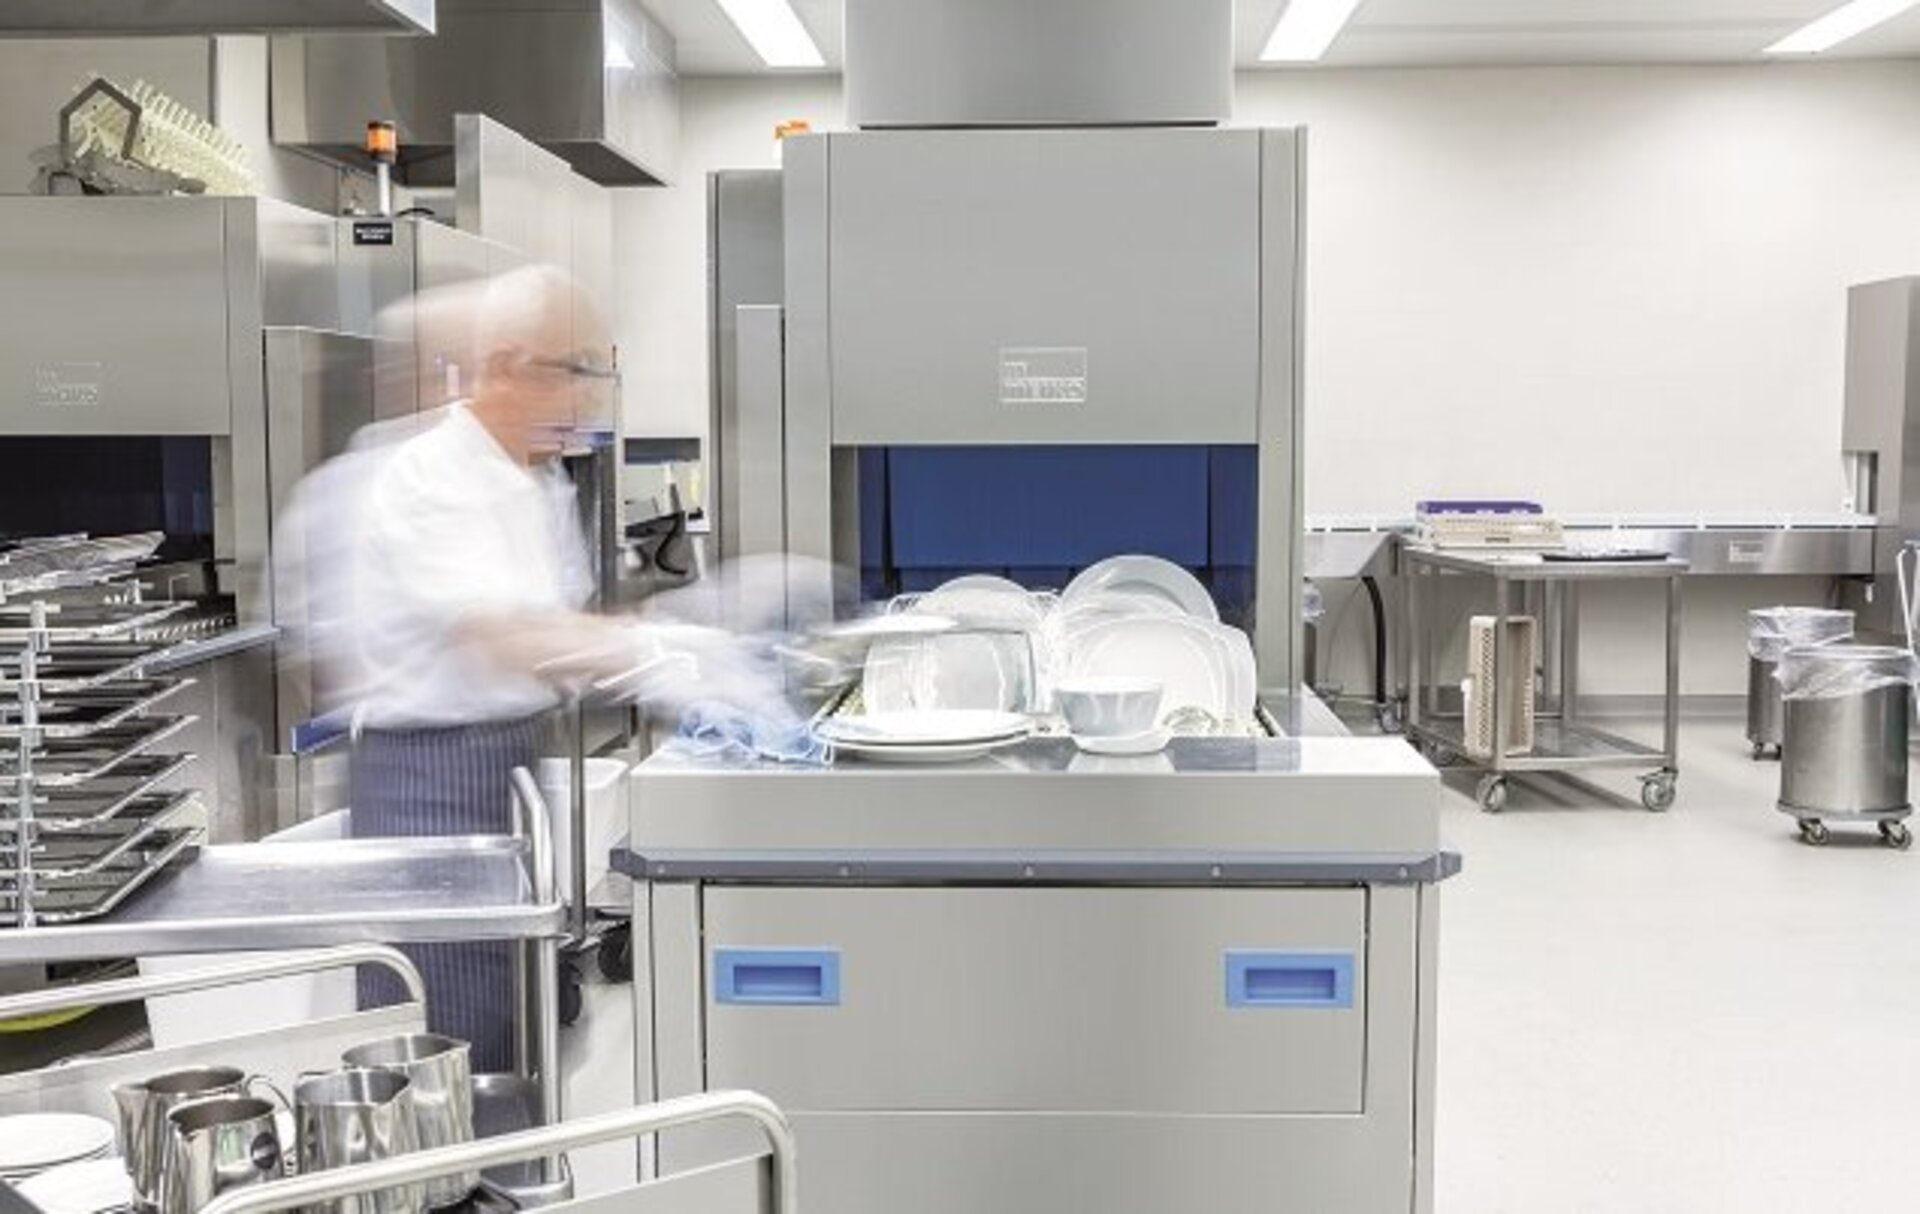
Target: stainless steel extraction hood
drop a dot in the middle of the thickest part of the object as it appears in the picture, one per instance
(592, 81)
(77, 18)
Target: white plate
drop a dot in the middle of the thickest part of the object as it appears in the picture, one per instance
(926, 729)
(1187, 657)
(964, 752)
(1151, 742)
(34, 1142)
(979, 601)
(882, 627)
(93, 1187)
(980, 671)
(1146, 575)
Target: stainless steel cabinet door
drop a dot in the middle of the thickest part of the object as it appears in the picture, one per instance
(1066, 1000)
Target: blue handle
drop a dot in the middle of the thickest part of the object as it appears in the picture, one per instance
(1315, 980)
(778, 977)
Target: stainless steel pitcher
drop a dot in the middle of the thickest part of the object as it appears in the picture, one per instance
(218, 1144)
(357, 1116)
(440, 1085)
(143, 1109)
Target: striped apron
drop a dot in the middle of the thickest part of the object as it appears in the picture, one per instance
(457, 780)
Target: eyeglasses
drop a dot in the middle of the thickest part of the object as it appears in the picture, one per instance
(574, 368)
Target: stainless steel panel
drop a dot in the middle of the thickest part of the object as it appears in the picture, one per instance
(1764, 706)
(1066, 1000)
(1846, 754)
(116, 18)
(1351, 797)
(1749, 552)
(1047, 287)
(810, 432)
(299, 256)
(1277, 633)
(744, 267)
(121, 323)
(1062, 63)
(753, 519)
(590, 80)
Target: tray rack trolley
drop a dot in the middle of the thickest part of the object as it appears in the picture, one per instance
(1563, 743)
(85, 818)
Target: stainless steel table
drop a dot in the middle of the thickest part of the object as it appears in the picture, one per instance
(1563, 743)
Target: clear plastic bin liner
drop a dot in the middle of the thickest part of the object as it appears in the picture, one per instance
(1837, 672)
(723, 734)
(1313, 604)
(1771, 631)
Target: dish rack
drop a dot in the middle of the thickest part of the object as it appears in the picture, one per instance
(1516, 696)
(84, 817)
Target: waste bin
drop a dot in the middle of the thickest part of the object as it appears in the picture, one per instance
(1844, 739)
(1771, 631)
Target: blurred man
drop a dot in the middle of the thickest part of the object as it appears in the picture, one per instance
(443, 575)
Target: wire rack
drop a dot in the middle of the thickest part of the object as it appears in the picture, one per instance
(83, 819)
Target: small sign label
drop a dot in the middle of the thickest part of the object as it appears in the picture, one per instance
(373, 231)
(1746, 552)
(67, 385)
(1035, 375)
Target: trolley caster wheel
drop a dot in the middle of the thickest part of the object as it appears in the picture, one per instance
(1759, 751)
(1896, 835)
(1814, 834)
(1492, 794)
(1657, 792)
(1389, 718)
(572, 1001)
(616, 954)
(1438, 755)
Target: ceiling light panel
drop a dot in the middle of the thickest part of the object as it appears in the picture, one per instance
(1307, 28)
(1847, 21)
(774, 31)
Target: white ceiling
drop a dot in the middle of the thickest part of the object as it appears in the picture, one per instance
(1411, 33)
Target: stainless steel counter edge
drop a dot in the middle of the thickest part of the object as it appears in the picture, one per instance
(232, 641)
(1078, 868)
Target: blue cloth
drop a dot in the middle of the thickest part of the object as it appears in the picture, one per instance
(726, 734)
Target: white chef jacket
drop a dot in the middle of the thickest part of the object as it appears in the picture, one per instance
(412, 532)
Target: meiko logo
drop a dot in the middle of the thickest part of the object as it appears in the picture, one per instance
(67, 385)
(1043, 376)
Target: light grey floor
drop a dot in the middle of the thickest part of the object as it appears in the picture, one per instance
(1639, 1013)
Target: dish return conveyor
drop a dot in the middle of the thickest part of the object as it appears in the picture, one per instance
(1046, 981)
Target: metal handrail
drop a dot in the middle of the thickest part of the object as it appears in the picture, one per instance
(127, 990)
(530, 808)
(317, 1187)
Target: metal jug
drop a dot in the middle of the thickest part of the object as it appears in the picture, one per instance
(357, 1116)
(217, 1144)
(440, 1085)
(143, 1109)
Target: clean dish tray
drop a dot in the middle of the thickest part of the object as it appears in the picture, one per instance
(81, 666)
(91, 621)
(76, 899)
(56, 810)
(81, 714)
(67, 764)
(80, 852)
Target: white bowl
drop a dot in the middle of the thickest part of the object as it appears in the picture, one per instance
(1110, 706)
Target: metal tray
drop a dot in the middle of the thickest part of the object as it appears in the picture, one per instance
(76, 899)
(77, 853)
(82, 665)
(58, 810)
(69, 764)
(81, 714)
(85, 621)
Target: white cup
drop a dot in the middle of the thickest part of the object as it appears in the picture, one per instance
(1109, 707)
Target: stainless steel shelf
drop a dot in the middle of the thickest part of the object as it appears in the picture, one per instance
(66, 903)
(310, 895)
(1557, 747)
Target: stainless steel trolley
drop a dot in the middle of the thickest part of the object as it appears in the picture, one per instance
(1563, 743)
(290, 896)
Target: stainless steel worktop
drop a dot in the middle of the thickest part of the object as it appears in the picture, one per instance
(310, 895)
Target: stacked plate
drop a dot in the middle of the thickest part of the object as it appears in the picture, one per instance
(953, 736)
(95, 1186)
(32, 1143)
